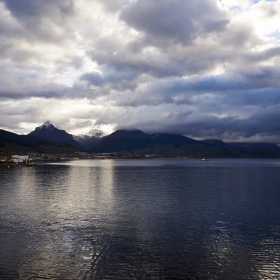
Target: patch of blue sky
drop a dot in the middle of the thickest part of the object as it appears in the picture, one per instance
(256, 1)
(275, 35)
(238, 8)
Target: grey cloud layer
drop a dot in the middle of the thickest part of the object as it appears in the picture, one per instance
(176, 66)
(177, 21)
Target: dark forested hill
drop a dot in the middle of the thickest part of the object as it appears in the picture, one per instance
(12, 143)
(129, 140)
(22, 139)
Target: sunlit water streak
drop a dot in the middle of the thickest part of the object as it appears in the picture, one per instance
(135, 219)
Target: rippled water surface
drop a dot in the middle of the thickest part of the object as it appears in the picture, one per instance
(141, 219)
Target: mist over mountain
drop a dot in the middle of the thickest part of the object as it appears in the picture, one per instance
(247, 145)
(214, 142)
(89, 140)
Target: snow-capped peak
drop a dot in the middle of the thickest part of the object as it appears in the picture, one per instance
(81, 137)
(96, 133)
(93, 135)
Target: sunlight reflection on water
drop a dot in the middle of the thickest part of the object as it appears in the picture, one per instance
(152, 219)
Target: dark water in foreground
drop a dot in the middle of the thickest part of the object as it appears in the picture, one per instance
(141, 219)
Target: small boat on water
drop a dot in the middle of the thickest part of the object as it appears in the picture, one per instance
(205, 159)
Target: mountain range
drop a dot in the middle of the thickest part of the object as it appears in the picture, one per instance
(83, 142)
(137, 141)
(120, 140)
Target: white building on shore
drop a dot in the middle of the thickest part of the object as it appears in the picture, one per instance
(19, 158)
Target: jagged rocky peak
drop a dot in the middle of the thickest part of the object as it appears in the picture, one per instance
(47, 125)
(50, 132)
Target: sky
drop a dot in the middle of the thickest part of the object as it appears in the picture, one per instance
(203, 69)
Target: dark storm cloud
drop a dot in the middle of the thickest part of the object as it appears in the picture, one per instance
(259, 89)
(39, 19)
(51, 91)
(28, 10)
(264, 76)
(262, 98)
(175, 20)
(262, 56)
(173, 27)
(203, 125)
(265, 124)
(20, 95)
(188, 64)
(178, 62)
(112, 79)
(93, 78)
(129, 66)
(167, 25)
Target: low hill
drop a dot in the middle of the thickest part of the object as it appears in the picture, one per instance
(247, 145)
(255, 145)
(200, 151)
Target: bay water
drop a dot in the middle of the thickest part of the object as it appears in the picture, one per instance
(141, 219)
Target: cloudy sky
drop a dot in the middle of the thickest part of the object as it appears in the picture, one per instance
(204, 69)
